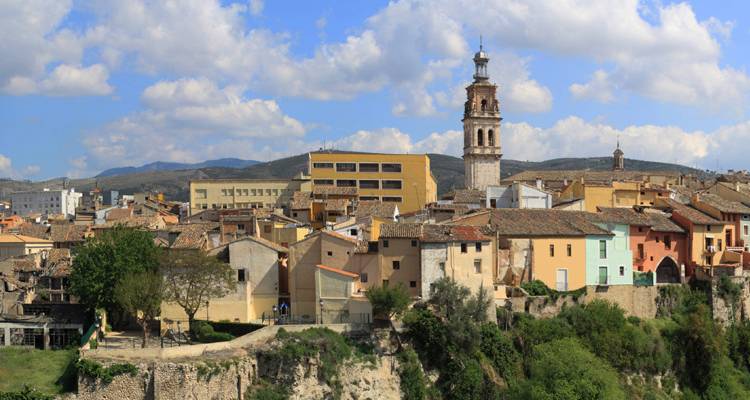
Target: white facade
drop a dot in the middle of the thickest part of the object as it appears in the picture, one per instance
(517, 195)
(45, 202)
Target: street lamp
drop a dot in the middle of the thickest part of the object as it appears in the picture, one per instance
(275, 308)
(321, 311)
(207, 319)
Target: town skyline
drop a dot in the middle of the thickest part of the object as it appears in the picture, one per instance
(103, 87)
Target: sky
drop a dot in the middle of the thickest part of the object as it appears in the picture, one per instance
(89, 85)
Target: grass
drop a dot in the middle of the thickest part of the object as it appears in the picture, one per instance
(44, 370)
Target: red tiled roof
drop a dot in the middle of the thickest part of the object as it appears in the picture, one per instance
(338, 271)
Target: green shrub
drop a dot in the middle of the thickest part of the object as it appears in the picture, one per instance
(498, 348)
(26, 393)
(729, 290)
(566, 370)
(95, 370)
(413, 382)
(204, 333)
(266, 391)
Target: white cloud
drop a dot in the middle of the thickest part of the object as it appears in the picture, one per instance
(33, 41)
(256, 7)
(599, 88)
(8, 171)
(184, 117)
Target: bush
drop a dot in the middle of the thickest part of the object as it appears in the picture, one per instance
(26, 393)
(204, 333)
(566, 370)
(413, 382)
(106, 374)
(500, 351)
(266, 391)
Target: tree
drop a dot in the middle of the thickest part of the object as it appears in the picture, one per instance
(564, 369)
(102, 262)
(140, 295)
(192, 278)
(388, 301)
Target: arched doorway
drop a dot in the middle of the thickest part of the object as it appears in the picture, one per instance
(667, 271)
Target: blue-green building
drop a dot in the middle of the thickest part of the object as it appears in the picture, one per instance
(609, 260)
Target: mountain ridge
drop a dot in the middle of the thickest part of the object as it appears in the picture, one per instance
(228, 162)
(447, 170)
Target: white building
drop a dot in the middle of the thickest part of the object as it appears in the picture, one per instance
(45, 202)
(518, 195)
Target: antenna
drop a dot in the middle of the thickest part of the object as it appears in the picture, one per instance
(480, 42)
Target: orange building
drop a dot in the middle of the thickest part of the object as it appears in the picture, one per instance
(11, 222)
(657, 242)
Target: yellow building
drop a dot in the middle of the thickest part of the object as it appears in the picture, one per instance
(244, 193)
(559, 262)
(401, 178)
(281, 231)
(595, 195)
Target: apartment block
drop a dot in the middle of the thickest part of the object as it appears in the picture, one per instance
(63, 202)
(404, 179)
(244, 193)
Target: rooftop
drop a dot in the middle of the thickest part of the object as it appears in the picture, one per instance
(690, 213)
(722, 204)
(15, 238)
(543, 222)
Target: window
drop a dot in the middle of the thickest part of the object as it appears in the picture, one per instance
(328, 182)
(747, 232)
(391, 184)
(346, 167)
(372, 247)
(480, 137)
(369, 198)
(391, 167)
(268, 192)
(413, 243)
(718, 244)
(369, 184)
(442, 267)
(241, 275)
(353, 232)
(241, 227)
(477, 266)
(552, 250)
(385, 282)
(622, 270)
(463, 248)
(602, 249)
(385, 243)
(391, 199)
(396, 264)
(657, 239)
(330, 253)
(602, 275)
(294, 214)
(478, 247)
(490, 138)
(323, 165)
(346, 183)
(412, 283)
(369, 167)
(363, 277)
(641, 251)
(200, 193)
(667, 242)
(570, 250)
(708, 228)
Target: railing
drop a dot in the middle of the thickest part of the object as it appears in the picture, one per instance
(89, 333)
(738, 249)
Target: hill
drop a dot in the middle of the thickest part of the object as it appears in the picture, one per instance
(172, 166)
(448, 171)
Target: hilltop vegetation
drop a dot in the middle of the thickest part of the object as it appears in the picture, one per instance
(448, 171)
(587, 352)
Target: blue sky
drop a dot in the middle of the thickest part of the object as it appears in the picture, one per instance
(89, 85)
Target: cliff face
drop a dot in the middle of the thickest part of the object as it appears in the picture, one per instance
(240, 374)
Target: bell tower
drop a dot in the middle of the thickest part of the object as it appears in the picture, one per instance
(618, 158)
(481, 128)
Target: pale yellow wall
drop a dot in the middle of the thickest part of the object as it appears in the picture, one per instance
(700, 233)
(418, 186)
(544, 267)
(14, 249)
(368, 264)
(460, 266)
(239, 193)
(304, 256)
(409, 256)
(280, 234)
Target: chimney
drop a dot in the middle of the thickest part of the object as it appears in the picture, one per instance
(539, 183)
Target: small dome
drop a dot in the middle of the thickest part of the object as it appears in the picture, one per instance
(618, 152)
(480, 54)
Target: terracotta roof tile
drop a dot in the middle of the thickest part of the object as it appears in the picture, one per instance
(338, 271)
(542, 222)
(454, 233)
(375, 209)
(34, 230)
(690, 213)
(68, 233)
(301, 201)
(656, 220)
(119, 213)
(401, 230)
(723, 205)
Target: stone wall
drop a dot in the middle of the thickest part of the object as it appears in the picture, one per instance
(634, 300)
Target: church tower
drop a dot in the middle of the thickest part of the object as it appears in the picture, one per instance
(481, 128)
(618, 159)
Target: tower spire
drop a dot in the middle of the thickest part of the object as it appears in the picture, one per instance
(480, 42)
